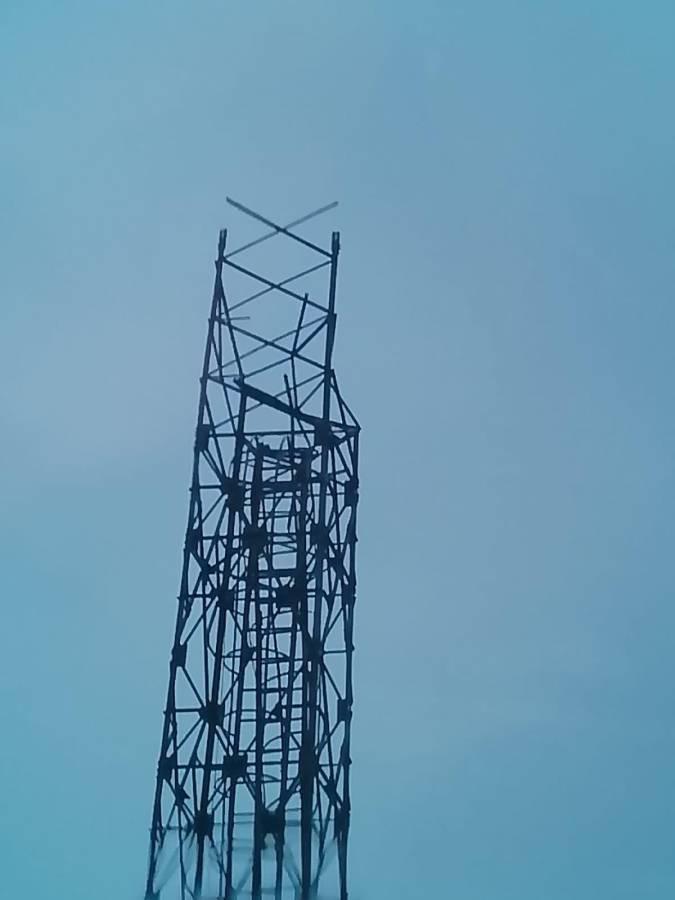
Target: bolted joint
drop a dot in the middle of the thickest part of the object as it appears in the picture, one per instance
(224, 597)
(234, 766)
(213, 713)
(203, 824)
(351, 492)
(255, 538)
(167, 766)
(273, 821)
(179, 656)
(289, 596)
(202, 437)
(319, 536)
(344, 710)
(324, 436)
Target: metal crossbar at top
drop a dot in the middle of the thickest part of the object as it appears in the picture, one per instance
(280, 229)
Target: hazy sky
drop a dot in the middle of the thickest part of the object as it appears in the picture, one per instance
(505, 334)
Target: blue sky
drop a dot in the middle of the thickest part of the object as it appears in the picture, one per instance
(505, 178)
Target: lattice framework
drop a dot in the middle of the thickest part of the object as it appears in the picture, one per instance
(252, 794)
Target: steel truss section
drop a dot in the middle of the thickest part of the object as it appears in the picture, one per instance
(252, 793)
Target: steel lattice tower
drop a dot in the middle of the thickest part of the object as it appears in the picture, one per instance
(252, 793)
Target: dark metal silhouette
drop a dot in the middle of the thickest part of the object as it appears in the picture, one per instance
(252, 795)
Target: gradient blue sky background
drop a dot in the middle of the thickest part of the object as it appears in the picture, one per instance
(505, 174)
